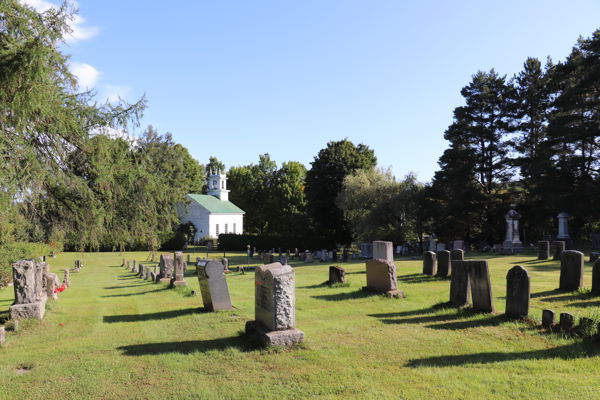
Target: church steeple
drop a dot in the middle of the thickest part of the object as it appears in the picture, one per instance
(217, 185)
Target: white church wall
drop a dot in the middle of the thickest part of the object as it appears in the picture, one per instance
(197, 215)
(229, 219)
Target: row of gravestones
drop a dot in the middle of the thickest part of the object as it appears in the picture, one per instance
(306, 256)
(33, 284)
(440, 263)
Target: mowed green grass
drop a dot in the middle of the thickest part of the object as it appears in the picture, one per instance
(126, 338)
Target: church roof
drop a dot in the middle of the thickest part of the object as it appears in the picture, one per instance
(214, 205)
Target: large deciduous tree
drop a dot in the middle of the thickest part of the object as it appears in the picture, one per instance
(325, 180)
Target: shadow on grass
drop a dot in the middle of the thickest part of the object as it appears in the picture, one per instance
(492, 320)
(110, 319)
(188, 347)
(446, 321)
(584, 304)
(317, 286)
(126, 277)
(359, 294)
(423, 311)
(125, 286)
(548, 293)
(357, 272)
(419, 278)
(568, 352)
(136, 294)
(7, 301)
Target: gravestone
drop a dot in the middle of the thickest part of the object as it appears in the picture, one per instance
(383, 251)
(153, 276)
(177, 279)
(481, 286)
(571, 270)
(354, 255)
(559, 247)
(336, 275)
(432, 242)
(308, 257)
(266, 258)
(548, 317)
(302, 256)
(177, 260)
(44, 278)
(497, 248)
(51, 284)
(345, 254)
(334, 256)
(166, 268)
(209, 245)
(2, 335)
(366, 250)
(330, 256)
(324, 255)
(460, 286)
(39, 282)
(147, 274)
(444, 263)
(283, 259)
(275, 307)
(318, 254)
(429, 263)
(66, 277)
(563, 226)
(458, 245)
(457, 254)
(140, 270)
(596, 277)
(593, 256)
(518, 291)
(381, 278)
(124, 263)
(213, 285)
(566, 320)
(512, 242)
(225, 263)
(28, 291)
(441, 247)
(543, 250)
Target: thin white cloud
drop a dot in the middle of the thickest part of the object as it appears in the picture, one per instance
(87, 76)
(80, 31)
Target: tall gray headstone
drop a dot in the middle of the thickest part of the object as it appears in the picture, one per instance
(275, 306)
(166, 268)
(481, 286)
(543, 250)
(66, 280)
(28, 291)
(563, 226)
(518, 291)
(213, 285)
(429, 263)
(460, 287)
(571, 270)
(383, 251)
(266, 258)
(512, 235)
(444, 263)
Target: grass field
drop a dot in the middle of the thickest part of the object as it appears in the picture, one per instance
(126, 338)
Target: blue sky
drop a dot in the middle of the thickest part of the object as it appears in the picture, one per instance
(235, 79)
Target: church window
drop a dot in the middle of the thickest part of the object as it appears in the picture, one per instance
(215, 185)
(234, 227)
(217, 229)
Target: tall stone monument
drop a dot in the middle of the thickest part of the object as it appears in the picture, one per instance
(166, 268)
(429, 263)
(563, 226)
(571, 270)
(481, 286)
(383, 251)
(275, 307)
(518, 292)
(460, 287)
(512, 243)
(28, 291)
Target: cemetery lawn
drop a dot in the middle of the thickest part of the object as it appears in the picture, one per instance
(112, 335)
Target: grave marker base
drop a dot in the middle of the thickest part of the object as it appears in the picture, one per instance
(30, 310)
(397, 294)
(178, 283)
(289, 337)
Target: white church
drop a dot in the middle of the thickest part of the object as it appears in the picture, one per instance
(212, 213)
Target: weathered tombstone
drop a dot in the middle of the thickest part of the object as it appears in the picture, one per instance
(383, 251)
(336, 275)
(178, 260)
(440, 247)
(2, 335)
(39, 281)
(302, 256)
(166, 268)
(429, 263)
(444, 263)
(28, 302)
(66, 278)
(366, 250)
(275, 308)
(381, 278)
(330, 256)
(213, 285)
(266, 258)
(596, 277)
(481, 286)
(593, 256)
(283, 259)
(153, 276)
(225, 263)
(460, 286)
(345, 254)
(543, 250)
(497, 248)
(324, 255)
(457, 254)
(147, 273)
(209, 245)
(177, 279)
(308, 257)
(432, 242)
(571, 270)
(518, 291)
(566, 320)
(140, 270)
(458, 245)
(51, 284)
(548, 317)
(559, 247)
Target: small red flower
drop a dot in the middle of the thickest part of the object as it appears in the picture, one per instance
(62, 324)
